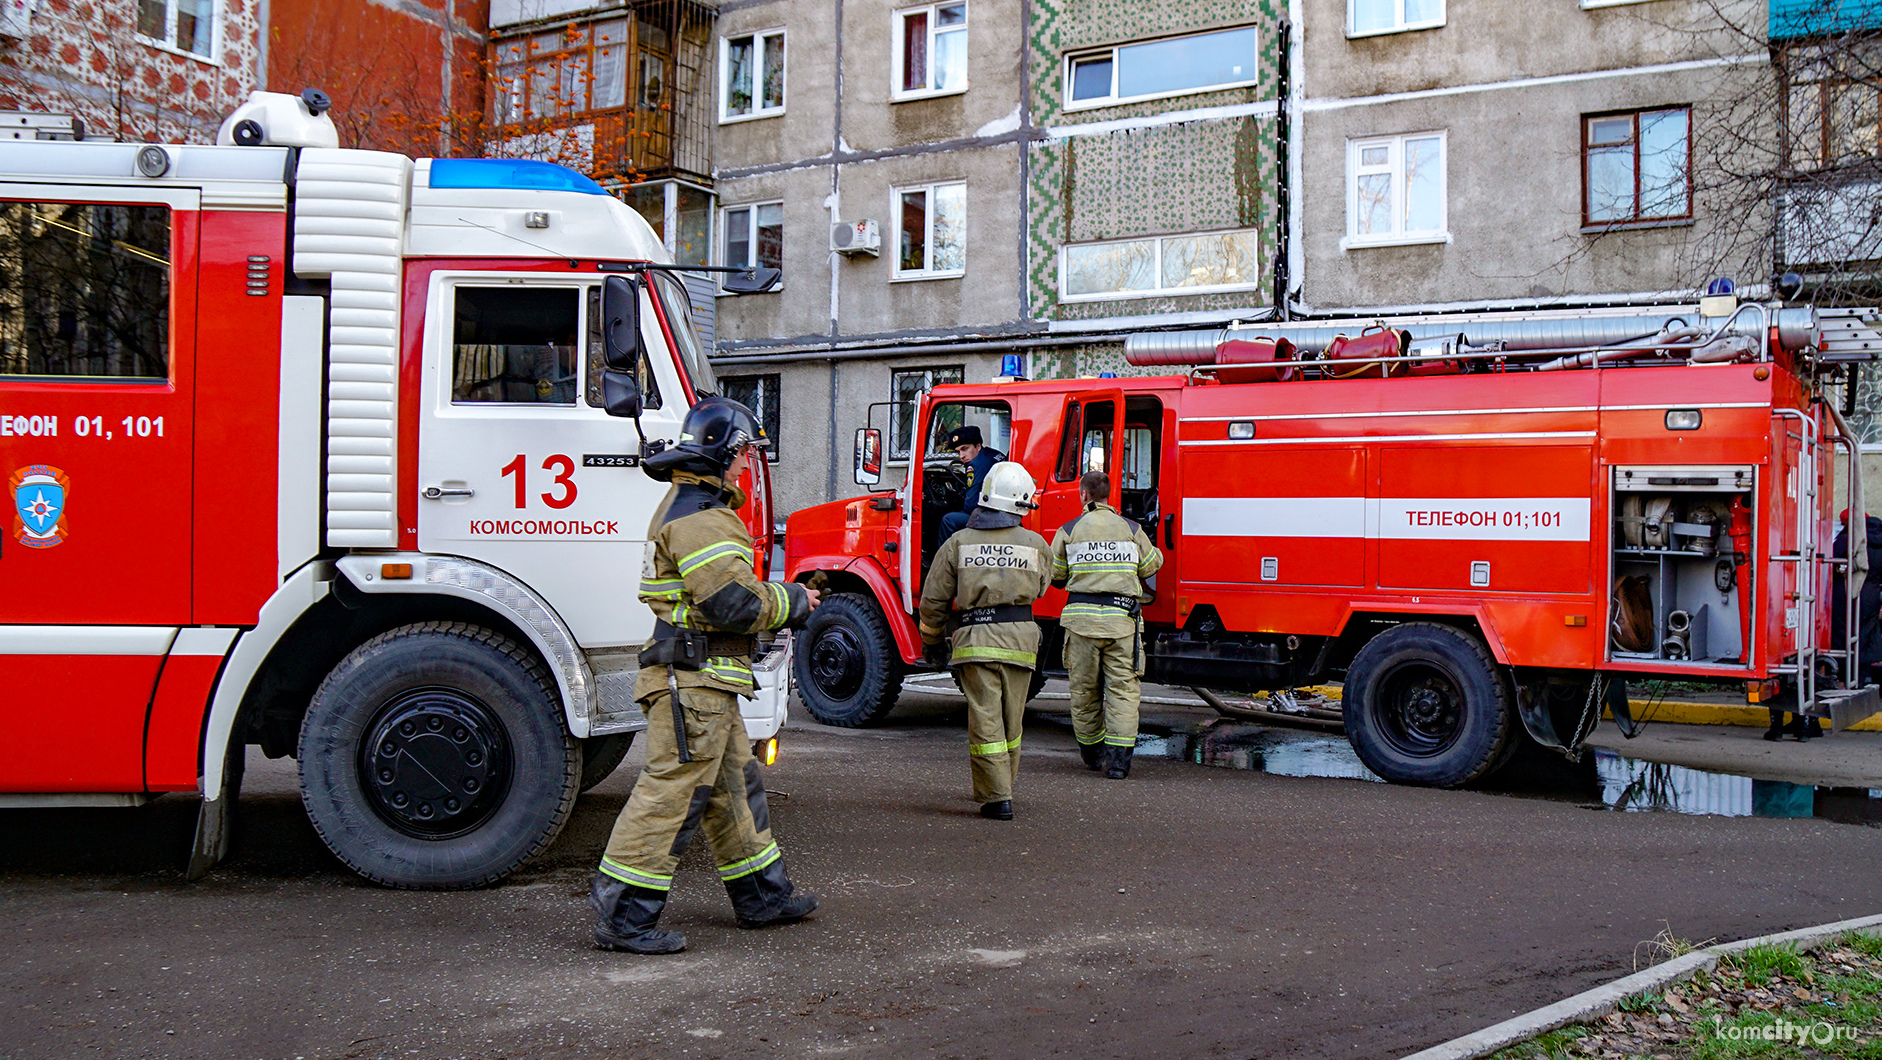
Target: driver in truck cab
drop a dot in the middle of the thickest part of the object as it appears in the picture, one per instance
(972, 451)
(707, 605)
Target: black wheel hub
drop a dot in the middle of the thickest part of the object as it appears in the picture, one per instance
(435, 763)
(837, 662)
(1423, 711)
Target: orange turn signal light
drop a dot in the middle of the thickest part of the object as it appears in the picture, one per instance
(1574, 620)
(766, 751)
(395, 571)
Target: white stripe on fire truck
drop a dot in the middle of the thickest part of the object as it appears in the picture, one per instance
(1465, 412)
(1355, 438)
(86, 640)
(1391, 518)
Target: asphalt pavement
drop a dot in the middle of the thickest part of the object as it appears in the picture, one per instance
(1187, 912)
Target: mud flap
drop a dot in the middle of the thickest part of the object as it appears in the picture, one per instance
(1533, 707)
(765, 711)
(215, 818)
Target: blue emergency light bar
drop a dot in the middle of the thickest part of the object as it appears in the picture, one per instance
(509, 173)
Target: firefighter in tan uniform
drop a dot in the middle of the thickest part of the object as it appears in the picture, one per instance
(707, 604)
(990, 572)
(1102, 558)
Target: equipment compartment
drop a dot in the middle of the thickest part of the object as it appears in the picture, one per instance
(1681, 564)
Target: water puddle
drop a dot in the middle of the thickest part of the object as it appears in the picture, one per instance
(1601, 780)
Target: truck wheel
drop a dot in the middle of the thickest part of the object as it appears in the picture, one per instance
(434, 756)
(848, 671)
(601, 756)
(1425, 704)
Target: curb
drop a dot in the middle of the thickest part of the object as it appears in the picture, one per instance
(1682, 712)
(1603, 999)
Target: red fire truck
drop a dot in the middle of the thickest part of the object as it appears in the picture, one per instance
(318, 449)
(1483, 529)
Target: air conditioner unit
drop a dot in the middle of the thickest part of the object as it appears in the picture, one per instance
(856, 237)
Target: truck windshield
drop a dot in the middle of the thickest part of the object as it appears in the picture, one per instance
(679, 313)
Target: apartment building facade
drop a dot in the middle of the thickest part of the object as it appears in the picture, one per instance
(1557, 153)
(1037, 179)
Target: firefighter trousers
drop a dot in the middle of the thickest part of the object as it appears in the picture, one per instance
(996, 708)
(722, 788)
(1102, 672)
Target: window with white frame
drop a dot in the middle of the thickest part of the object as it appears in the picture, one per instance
(930, 230)
(930, 50)
(186, 25)
(754, 235)
(1183, 264)
(1176, 66)
(1395, 190)
(751, 76)
(1365, 17)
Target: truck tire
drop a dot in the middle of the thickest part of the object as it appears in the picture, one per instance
(1426, 704)
(434, 756)
(849, 673)
(601, 756)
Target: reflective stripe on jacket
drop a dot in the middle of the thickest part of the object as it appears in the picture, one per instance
(986, 567)
(1102, 552)
(698, 574)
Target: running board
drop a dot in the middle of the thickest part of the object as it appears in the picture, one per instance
(1845, 706)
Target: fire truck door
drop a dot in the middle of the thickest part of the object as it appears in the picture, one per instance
(1091, 433)
(519, 464)
(96, 387)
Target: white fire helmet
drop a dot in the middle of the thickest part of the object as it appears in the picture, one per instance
(1008, 488)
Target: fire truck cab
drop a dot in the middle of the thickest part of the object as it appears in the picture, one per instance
(1483, 532)
(330, 451)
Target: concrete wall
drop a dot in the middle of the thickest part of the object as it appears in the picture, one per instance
(1509, 86)
(829, 160)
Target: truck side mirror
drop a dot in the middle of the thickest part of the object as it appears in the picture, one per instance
(752, 281)
(620, 324)
(868, 469)
(620, 393)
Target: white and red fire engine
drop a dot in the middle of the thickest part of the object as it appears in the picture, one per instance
(1484, 529)
(318, 449)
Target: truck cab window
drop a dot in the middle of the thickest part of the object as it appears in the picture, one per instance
(678, 310)
(85, 290)
(597, 360)
(1095, 452)
(515, 345)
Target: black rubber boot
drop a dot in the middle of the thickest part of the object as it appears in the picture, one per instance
(1776, 731)
(997, 811)
(628, 915)
(1093, 754)
(768, 897)
(1117, 763)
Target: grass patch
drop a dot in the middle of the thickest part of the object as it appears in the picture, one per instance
(1767, 1002)
(1761, 963)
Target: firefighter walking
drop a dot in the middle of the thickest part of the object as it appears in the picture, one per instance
(707, 604)
(1102, 558)
(990, 573)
